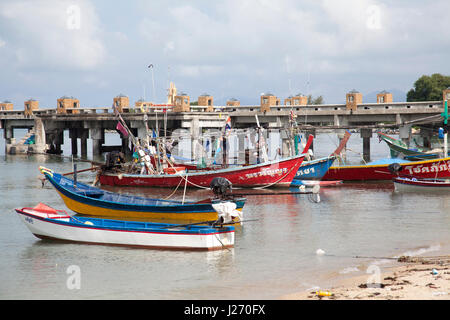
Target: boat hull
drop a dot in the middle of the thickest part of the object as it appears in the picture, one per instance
(274, 173)
(312, 171)
(421, 185)
(92, 201)
(397, 148)
(437, 168)
(127, 233)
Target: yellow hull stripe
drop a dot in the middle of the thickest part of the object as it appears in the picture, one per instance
(98, 211)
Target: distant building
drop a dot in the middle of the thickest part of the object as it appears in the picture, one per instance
(121, 102)
(6, 106)
(353, 99)
(29, 106)
(384, 97)
(182, 103)
(268, 100)
(142, 105)
(298, 100)
(206, 100)
(67, 105)
(233, 103)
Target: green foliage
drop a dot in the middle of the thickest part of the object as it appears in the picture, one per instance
(429, 88)
(194, 103)
(312, 100)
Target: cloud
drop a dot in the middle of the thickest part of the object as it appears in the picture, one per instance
(52, 35)
(227, 48)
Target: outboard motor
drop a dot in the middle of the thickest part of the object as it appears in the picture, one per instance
(114, 158)
(395, 168)
(221, 187)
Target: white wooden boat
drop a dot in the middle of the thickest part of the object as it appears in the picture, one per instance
(406, 184)
(47, 223)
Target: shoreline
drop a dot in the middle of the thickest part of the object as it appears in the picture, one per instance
(409, 278)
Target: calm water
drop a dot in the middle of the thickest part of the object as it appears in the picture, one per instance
(272, 256)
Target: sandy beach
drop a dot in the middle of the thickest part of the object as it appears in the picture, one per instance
(416, 278)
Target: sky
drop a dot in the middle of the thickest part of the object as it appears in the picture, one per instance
(95, 50)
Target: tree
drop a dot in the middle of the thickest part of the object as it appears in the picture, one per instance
(312, 100)
(429, 88)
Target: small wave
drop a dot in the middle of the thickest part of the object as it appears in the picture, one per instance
(349, 270)
(420, 251)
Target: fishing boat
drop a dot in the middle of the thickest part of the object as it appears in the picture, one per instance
(399, 149)
(383, 170)
(48, 223)
(311, 172)
(88, 200)
(268, 174)
(408, 184)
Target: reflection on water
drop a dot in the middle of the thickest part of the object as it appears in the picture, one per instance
(273, 256)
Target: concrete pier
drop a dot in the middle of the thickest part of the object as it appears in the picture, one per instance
(91, 123)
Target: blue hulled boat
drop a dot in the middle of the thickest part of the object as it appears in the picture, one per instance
(313, 170)
(88, 200)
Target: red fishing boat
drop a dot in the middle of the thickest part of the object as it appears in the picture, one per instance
(267, 174)
(387, 170)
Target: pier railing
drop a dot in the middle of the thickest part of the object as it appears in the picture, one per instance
(366, 108)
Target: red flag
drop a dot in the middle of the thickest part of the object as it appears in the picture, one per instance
(122, 129)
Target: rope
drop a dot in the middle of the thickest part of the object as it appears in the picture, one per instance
(358, 153)
(173, 191)
(185, 185)
(183, 178)
(223, 246)
(271, 184)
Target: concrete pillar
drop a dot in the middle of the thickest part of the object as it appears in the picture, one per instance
(366, 134)
(97, 134)
(426, 136)
(225, 152)
(39, 132)
(195, 132)
(285, 150)
(213, 147)
(253, 137)
(96, 147)
(84, 136)
(9, 132)
(405, 133)
(73, 135)
(60, 139)
(142, 133)
(126, 146)
(241, 148)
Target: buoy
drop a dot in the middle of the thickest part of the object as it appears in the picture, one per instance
(316, 189)
(321, 293)
(88, 223)
(320, 252)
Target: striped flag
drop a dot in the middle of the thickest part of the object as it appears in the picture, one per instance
(228, 126)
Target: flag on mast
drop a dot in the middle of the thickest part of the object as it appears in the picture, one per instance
(228, 126)
(122, 129)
